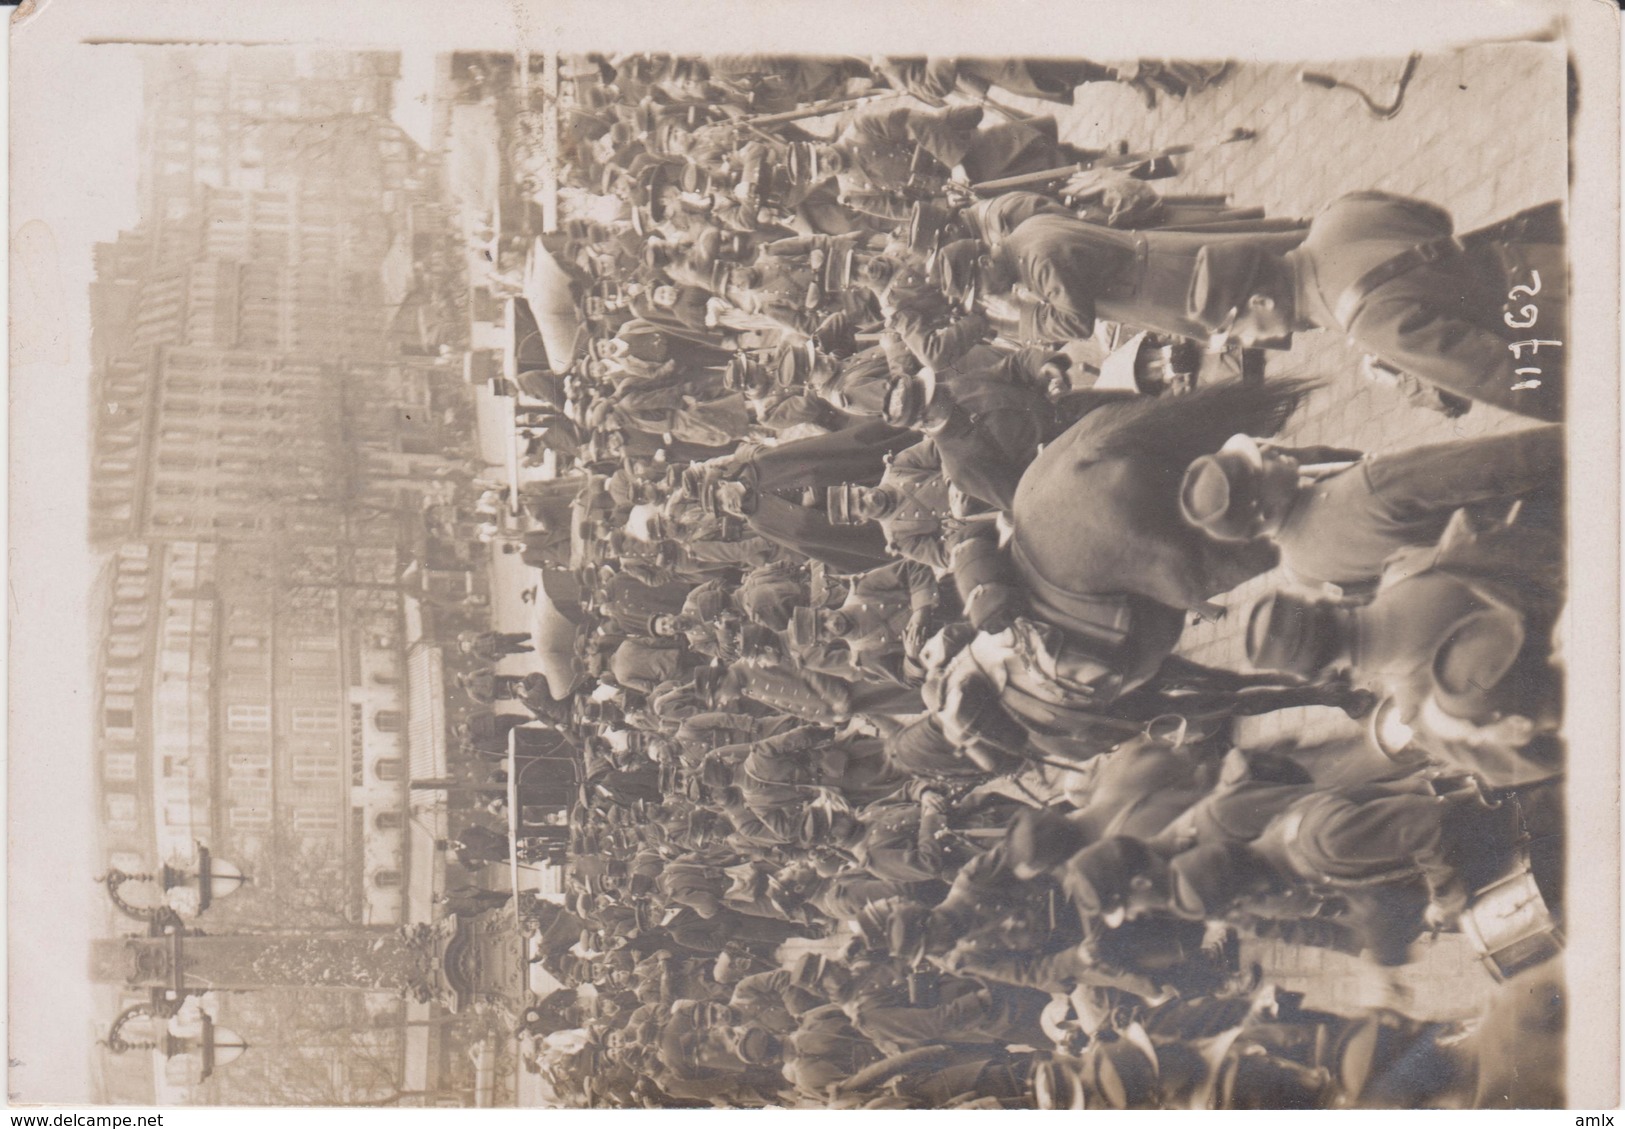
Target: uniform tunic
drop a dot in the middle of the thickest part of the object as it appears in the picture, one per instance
(1455, 321)
(1345, 526)
(914, 527)
(1082, 271)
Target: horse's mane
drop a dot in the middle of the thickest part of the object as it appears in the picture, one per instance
(1175, 430)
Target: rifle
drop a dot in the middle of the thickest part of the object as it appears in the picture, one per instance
(816, 110)
(1125, 161)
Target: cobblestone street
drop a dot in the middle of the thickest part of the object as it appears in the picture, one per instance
(1481, 132)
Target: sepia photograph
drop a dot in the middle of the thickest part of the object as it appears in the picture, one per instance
(779, 561)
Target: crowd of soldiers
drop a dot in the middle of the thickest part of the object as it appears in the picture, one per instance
(860, 554)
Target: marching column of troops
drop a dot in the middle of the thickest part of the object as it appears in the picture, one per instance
(860, 553)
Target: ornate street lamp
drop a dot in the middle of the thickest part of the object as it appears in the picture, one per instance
(188, 890)
(192, 1054)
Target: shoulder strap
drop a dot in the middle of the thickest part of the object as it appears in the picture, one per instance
(1354, 297)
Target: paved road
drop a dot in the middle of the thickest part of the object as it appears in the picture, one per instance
(1482, 132)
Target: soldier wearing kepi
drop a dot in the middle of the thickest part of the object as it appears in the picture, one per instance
(876, 633)
(1462, 646)
(1338, 522)
(887, 156)
(911, 505)
(1482, 315)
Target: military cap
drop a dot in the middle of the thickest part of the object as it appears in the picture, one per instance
(1040, 839)
(1100, 877)
(908, 396)
(802, 163)
(1057, 1085)
(745, 373)
(988, 581)
(645, 115)
(804, 629)
(656, 254)
(709, 501)
(793, 364)
(721, 277)
(1123, 1072)
(593, 97)
(716, 773)
(1289, 633)
(1206, 881)
(953, 269)
(660, 135)
(1471, 664)
(817, 821)
(926, 222)
(873, 923)
(1221, 283)
(1220, 492)
(808, 969)
(841, 501)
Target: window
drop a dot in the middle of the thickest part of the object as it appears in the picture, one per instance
(315, 819)
(312, 661)
(121, 809)
(248, 719)
(387, 768)
(315, 769)
(249, 765)
(247, 642)
(386, 879)
(315, 719)
(250, 817)
(387, 721)
(388, 821)
(119, 721)
(118, 766)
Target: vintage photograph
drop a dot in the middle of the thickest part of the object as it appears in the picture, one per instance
(633, 578)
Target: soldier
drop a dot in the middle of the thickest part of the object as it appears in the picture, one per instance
(487, 686)
(887, 156)
(770, 593)
(967, 1012)
(1077, 271)
(494, 646)
(643, 664)
(1050, 80)
(1462, 646)
(1482, 315)
(989, 412)
(825, 1050)
(1338, 523)
(874, 635)
(748, 484)
(910, 504)
(1421, 854)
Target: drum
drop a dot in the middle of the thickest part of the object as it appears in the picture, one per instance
(1511, 926)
